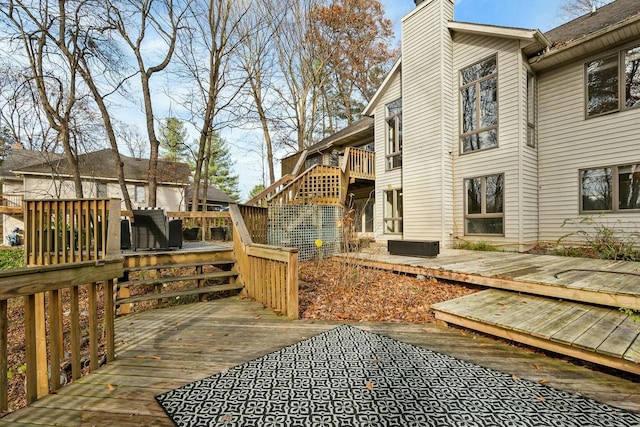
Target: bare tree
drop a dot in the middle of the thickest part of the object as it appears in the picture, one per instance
(133, 139)
(302, 72)
(257, 61)
(571, 9)
(138, 23)
(41, 30)
(206, 54)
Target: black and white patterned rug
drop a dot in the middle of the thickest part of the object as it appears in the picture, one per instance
(350, 377)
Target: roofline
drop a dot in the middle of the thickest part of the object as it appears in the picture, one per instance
(98, 178)
(368, 110)
(500, 31)
(539, 62)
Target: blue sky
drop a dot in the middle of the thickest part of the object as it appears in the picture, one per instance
(538, 14)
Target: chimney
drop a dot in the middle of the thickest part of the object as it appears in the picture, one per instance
(417, 2)
(593, 8)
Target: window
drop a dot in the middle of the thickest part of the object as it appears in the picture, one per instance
(610, 189)
(140, 196)
(101, 190)
(609, 77)
(484, 210)
(532, 102)
(479, 106)
(394, 135)
(393, 212)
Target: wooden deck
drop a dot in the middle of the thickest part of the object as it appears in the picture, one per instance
(610, 283)
(159, 350)
(565, 305)
(594, 333)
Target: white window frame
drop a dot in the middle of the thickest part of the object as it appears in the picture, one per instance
(393, 159)
(478, 106)
(140, 194)
(393, 218)
(483, 214)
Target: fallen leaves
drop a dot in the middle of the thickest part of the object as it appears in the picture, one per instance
(331, 290)
(369, 385)
(111, 388)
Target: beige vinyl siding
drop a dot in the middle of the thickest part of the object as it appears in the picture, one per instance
(568, 142)
(427, 121)
(529, 229)
(385, 180)
(506, 159)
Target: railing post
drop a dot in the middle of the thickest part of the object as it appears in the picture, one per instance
(109, 319)
(4, 368)
(292, 286)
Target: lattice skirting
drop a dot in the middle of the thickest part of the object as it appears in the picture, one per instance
(350, 377)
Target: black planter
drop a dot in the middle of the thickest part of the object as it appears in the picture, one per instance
(418, 248)
(190, 233)
(219, 233)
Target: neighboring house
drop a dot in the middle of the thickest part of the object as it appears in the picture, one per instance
(217, 200)
(37, 175)
(504, 135)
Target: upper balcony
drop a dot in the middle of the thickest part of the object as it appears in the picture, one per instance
(11, 204)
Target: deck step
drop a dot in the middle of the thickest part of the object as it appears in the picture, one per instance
(158, 280)
(195, 291)
(180, 265)
(597, 334)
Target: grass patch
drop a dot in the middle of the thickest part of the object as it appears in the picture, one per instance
(476, 246)
(11, 258)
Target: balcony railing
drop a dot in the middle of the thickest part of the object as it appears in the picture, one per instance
(359, 163)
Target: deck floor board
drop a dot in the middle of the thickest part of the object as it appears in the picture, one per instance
(168, 347)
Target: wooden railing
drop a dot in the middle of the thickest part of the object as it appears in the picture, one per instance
(320, 184)
(359, 163)
(269, 274)
(43, 290)
(11, 200)
(51, 293)
(255, 218)
(261, 199)
(67, 231)
(205, 221)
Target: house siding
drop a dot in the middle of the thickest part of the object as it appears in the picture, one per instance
(427, 105)
(529, 214)
(385, 180)
(568, 142)
(509, 158)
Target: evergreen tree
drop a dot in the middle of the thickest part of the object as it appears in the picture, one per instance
(173, 140)
(219, 168)
(257, 189)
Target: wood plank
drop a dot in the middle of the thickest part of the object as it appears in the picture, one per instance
(554, 323)
(572, 331)
(159, 280)
(214, 263)
(621, 339)
(554, 346)
(4, 367)
(173, 294)
(600, 331)
(76, 370)
(633, 353)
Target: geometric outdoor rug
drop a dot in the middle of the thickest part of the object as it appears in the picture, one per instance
(350, 377)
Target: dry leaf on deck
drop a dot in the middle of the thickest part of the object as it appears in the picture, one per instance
(111, 388)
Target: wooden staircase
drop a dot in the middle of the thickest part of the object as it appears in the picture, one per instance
(597, 333)
(323, 185)
(164, 269)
